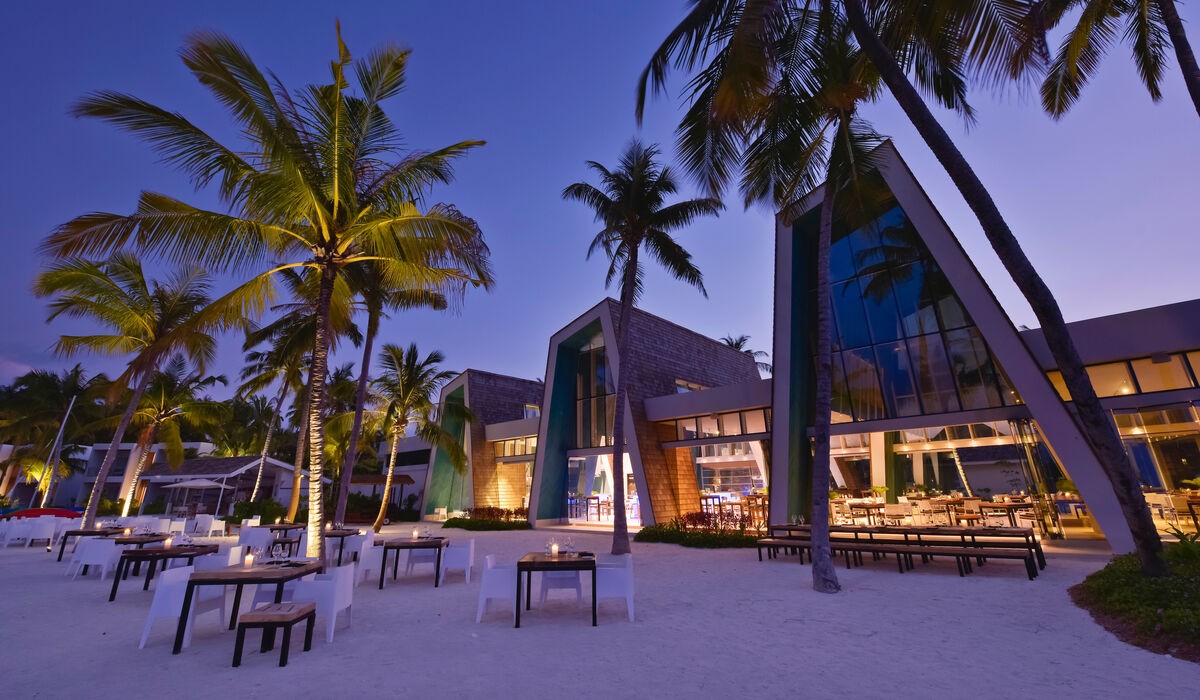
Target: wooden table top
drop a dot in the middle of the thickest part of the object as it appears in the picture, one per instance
(868, 506)
(284, 527)
(139, 539)
(180, 551)
(95, 531)
(1005, 506)
(259, 573)
(948, 530)
(410, 543)
(341, 533)
(540, 561)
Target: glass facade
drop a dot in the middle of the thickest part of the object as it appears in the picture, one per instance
(1137, 376)
(515, 447)
(749, 422)
(595, 399)
(903, 343)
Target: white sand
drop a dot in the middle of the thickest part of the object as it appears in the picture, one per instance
(713, 622)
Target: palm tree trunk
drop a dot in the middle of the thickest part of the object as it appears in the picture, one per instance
(824, 573)
(1183, 50)
(143, 453)
(301, 451)
(110, 457)
(620, 526)
(316, 418)
(360, 400)
(397, 431)
(262, 460)
(1096, 425)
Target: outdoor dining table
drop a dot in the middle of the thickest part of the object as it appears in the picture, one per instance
(277, 573)
(340, 536)
(285, 528)
(540, 561)
(438, 543)
(1010, 509)
(872, 510)
(153, 555)
(138, 541)
(92, 532)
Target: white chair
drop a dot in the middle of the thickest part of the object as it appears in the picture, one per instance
(370, 559)
(332, 592)
(235, 555)
(255, 537)
(420, 556)
(168, 601)
(41, 529)
(61, 525)
(614, 579)
(204, 526)
(252, 522)
(18, 532)
(459, 556)
(897, 513)
(496, 581)
(560, 579)
(177, 527)
(97, 552)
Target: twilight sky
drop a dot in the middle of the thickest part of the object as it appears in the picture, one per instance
(1105, 201)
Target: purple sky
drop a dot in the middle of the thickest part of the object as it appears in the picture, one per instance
(1105, 202)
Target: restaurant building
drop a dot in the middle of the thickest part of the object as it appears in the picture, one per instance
(934, 390)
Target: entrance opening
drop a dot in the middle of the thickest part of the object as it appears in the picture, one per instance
(590, 491)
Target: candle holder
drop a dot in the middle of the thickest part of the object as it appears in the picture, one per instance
(416, 533)
(554, 550)
(248, 562)
(167, 542)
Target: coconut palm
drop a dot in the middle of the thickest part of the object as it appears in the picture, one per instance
(405, 394)
(1148, 26)
(250, 423)
(319, 183)
(630, 202)
(377, 298)
(291, 337)
(147, 320)
(32, 411)
(742, 343)
(938, 42)
(171, 403)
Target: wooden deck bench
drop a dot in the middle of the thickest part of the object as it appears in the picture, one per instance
(270, 618)
(852, 550)
(797, 545)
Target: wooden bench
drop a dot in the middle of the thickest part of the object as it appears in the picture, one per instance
(270, 618)
(853, 549)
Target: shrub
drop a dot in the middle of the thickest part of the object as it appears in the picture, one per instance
(267, 508)
(110, 507)
(670, 533)
(476, 524)
(496, 514)
(156, 507)
(1159, 614)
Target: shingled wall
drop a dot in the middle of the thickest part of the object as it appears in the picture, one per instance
(495, 398)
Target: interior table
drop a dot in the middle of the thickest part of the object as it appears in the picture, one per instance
(93, 532)
(340, 536)
(539, 561)
(438, 543)
(153, 555)
(275, 574)
(871, 509)
(1010, 509)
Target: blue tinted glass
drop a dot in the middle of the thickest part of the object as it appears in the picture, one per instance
(899, 390)
(848, 309)
(934, 379)
(867, 252)
(840, 408)
(880, 306)
(917, 314)
(973, 370)
(937, 292)
(897, 239)
(841, 258)
(863, 384)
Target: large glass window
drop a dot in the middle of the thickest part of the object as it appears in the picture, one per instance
(1161, 373)
(594, 399)
(1111, 379)
(907, 346)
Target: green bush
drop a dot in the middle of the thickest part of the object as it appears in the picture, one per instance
(670, 533)
(496, 514)
(110, 507)
(267, 508)
(476, 524)
(1159, 614)
(156, 507)
(363, 508)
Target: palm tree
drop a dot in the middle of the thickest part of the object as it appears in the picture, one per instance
(377, 298)
(291, 337)
(631, 204)
(251, 421)
(406, 394)
(172, 402)
(151, 321)
(939, 42)
(32, 410)
(318, 184)
(742, 343)
(1149, 26)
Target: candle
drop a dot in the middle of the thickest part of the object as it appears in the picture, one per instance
(127, 532)
(416, 533)
(167, 542)
(277, 520)
(249, 560)
(554, 550)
